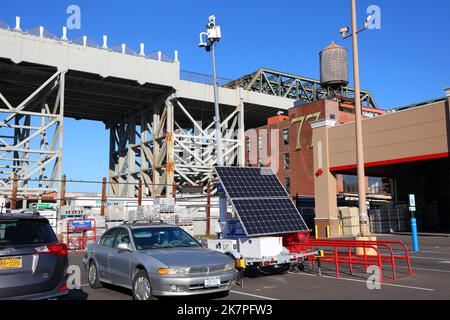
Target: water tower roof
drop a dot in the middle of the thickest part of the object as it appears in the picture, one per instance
(333, 45)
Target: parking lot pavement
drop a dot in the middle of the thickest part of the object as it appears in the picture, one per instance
(431, 280)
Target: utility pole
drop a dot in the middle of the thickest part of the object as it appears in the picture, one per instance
(14, 193)
(103, 204)
(140, 192)
(363, 217)
(63, 190)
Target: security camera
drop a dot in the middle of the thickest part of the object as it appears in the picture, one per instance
(212, 22)
(203, 43)
(344, 31)
(366, 24)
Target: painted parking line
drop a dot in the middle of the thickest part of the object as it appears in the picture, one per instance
(435, 252)
(254, 295)
(364, 281)
(425, 269)
(236, 292)
(429, 258)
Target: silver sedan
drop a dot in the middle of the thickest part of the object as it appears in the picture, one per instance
(156, 260)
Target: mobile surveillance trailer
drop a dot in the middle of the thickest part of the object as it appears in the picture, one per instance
(265, 232)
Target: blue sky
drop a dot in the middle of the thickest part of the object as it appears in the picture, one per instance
(404, 62)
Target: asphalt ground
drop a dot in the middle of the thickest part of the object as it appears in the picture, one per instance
(431, 280)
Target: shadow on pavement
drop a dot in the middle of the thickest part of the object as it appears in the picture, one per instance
(77, 295)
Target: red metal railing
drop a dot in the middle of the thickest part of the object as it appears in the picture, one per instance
(338, 258)
(341, 252)
(367, 259)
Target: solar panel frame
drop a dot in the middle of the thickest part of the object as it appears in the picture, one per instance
(263, 227)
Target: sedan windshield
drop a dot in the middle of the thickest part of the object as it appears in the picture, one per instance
(160, 238)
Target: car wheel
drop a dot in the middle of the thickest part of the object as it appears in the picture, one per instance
(142, 289)
(93, 277)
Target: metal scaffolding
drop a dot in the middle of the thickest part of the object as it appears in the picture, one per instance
(31, 139)
(155, 147)
(295, 87)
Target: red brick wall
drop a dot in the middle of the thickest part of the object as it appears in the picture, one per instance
(301, 170)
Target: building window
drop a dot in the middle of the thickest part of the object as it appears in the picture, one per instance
(376, 186)
(287, 183)
(287, 161)
(350, 184)
(260, 142)
(286, 137)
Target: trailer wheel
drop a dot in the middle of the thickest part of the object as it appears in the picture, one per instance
(301, 267)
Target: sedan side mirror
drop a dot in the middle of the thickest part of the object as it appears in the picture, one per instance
(124, 247)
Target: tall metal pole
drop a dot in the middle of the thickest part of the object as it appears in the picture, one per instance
(219, 150)
(364, 221)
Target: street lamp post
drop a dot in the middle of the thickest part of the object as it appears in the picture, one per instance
(208, 40)
(363, 217)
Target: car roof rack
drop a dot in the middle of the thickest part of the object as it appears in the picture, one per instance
(144, 222)
(27, 213)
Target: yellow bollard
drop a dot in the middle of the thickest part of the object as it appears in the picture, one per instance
(328, 232)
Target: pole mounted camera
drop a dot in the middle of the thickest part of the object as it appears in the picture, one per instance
(344, 31)
(208, 41)
(213, 34)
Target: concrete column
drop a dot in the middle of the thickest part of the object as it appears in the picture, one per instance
(324, 181)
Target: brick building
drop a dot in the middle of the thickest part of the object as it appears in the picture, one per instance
(293, 156)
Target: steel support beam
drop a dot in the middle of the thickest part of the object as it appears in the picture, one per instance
(302, 89)
(31, 141)
(153, 146)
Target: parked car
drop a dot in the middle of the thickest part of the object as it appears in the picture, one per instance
(156, 260)
(33, 264)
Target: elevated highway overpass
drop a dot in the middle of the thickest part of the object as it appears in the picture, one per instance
(160, 124)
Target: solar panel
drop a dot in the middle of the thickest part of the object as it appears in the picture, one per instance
(250, 182)
(262, 204)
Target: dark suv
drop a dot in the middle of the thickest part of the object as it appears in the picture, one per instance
(33, 264)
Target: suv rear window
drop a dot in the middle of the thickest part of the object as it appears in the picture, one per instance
(26, 232)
